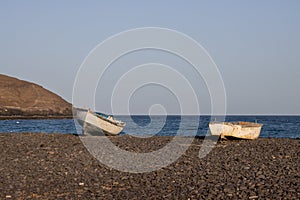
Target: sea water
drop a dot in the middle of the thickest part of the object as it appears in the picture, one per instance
(273, 126)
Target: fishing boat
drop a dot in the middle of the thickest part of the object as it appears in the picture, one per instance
(95, 123)
(239, 130)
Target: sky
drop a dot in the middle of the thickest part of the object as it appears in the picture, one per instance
(255, 45)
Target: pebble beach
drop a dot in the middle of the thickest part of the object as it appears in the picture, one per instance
(58, 166)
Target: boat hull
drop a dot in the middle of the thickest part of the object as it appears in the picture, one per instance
(94, 125)
(241, 130)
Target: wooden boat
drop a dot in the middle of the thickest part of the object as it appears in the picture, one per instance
(94, 123)
(240, 130)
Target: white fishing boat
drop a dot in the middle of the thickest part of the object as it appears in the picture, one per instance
(94, 123)
(240, 130)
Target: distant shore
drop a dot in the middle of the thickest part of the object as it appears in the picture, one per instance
(12, 117)
(52, 166)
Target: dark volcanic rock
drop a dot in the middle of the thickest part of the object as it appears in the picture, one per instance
(56, 166)
(25, 99)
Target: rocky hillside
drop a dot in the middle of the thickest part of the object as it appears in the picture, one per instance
(20, 98)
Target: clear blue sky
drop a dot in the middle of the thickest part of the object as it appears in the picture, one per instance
(254, 43)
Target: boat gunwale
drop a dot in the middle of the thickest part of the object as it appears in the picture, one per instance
(239, 123)
(120, 124)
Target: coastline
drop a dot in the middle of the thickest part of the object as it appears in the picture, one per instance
(13, 117)
(51, 166)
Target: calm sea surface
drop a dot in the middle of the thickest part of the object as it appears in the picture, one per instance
(274, 126)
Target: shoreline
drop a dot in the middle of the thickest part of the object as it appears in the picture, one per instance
(14, 117)
(198, 137)
(51, 166)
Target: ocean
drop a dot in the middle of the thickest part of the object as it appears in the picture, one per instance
(144, 126)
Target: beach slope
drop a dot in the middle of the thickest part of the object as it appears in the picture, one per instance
(57, 166)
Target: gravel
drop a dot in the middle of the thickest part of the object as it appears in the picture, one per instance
(58, 166)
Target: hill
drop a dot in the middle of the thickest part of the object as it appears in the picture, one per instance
(22, 99)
